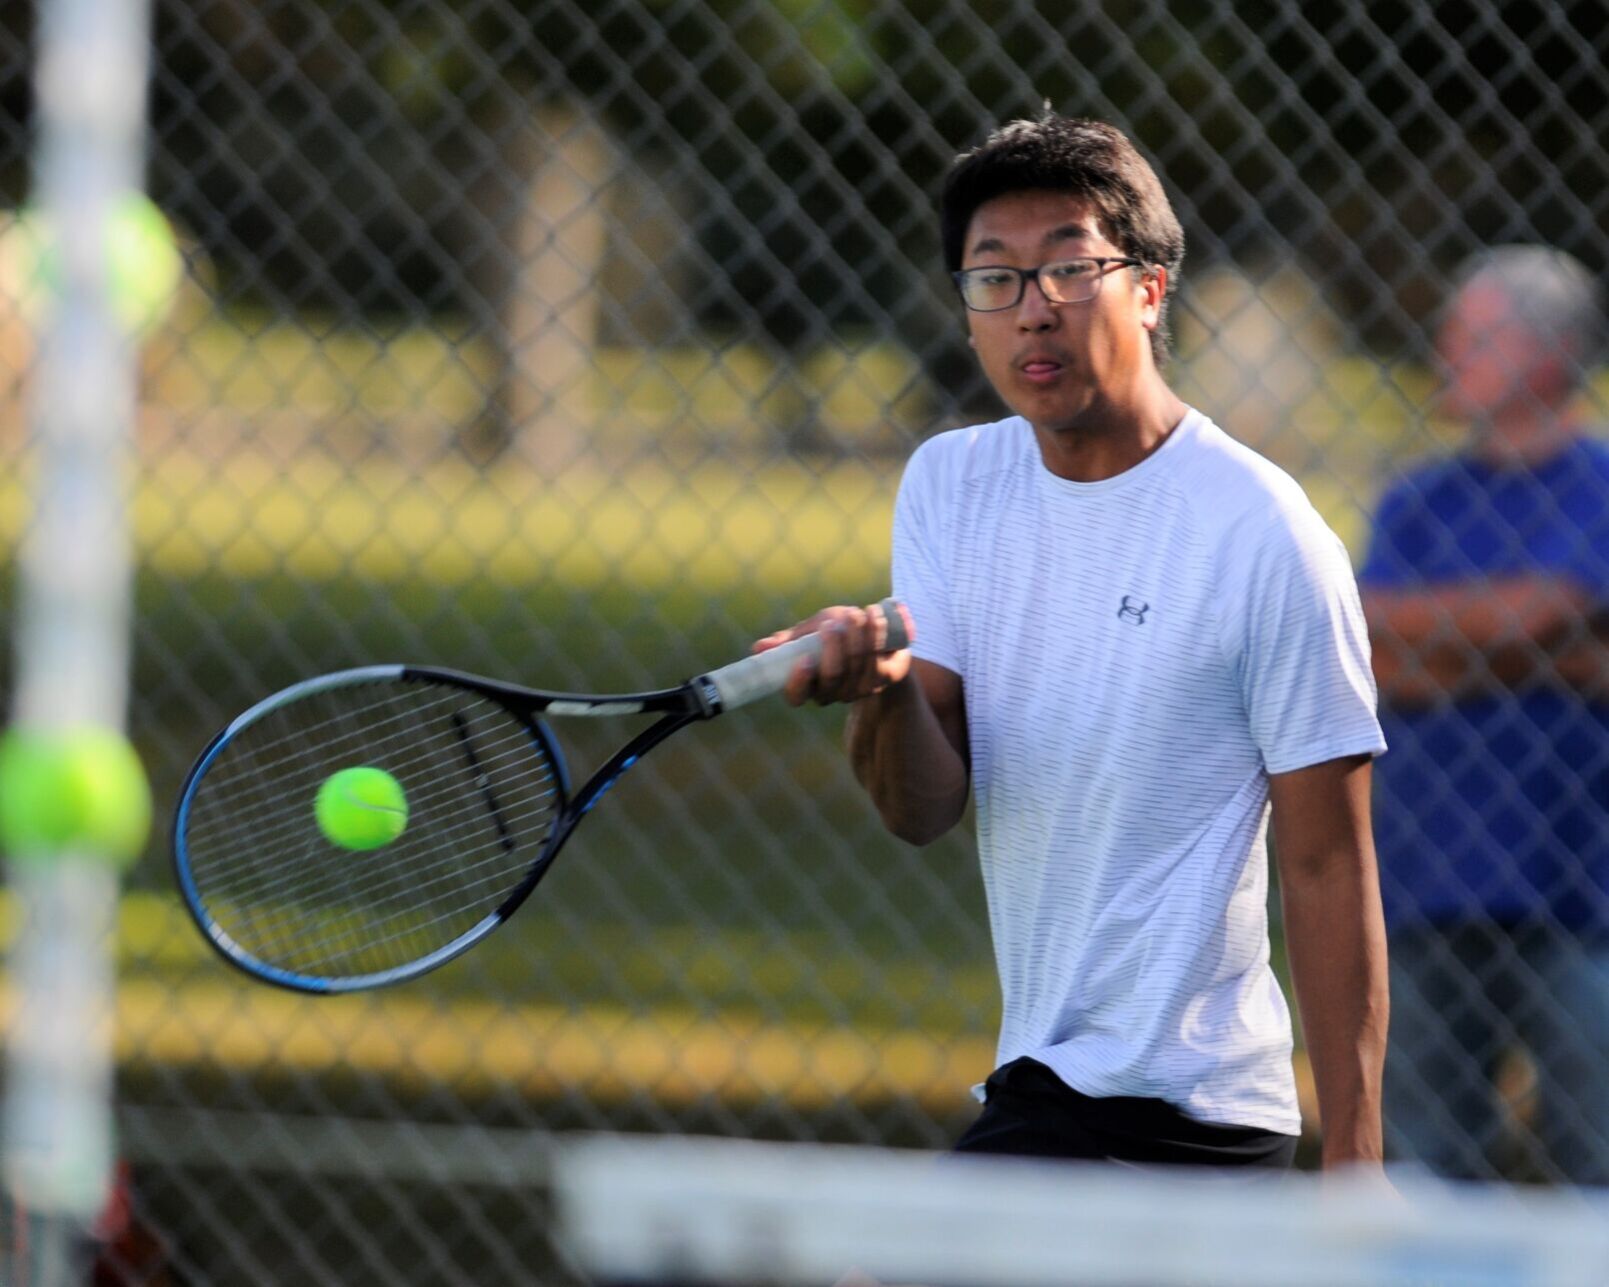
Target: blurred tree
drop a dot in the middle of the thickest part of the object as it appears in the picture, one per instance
(1363, 136)
(16, 40)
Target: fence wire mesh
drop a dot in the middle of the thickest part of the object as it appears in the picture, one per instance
(579, 345)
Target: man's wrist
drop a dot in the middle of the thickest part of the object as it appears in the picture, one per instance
(1352, 1148)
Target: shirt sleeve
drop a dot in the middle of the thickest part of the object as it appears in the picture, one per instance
(1304, 664)
(919, 575)
(1589, 502)
(1394, 544)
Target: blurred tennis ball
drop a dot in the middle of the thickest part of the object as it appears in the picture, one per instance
(82, 791)
(143, 264)
(361, 808)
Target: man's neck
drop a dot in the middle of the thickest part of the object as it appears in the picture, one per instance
(1111, 438)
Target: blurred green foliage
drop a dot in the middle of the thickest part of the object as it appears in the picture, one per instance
(375, 128)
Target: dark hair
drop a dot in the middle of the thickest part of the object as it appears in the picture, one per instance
(1088, 159)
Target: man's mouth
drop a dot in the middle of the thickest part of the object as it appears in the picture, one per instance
(1040, 370)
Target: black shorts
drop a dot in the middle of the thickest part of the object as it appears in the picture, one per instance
(1029, 1111)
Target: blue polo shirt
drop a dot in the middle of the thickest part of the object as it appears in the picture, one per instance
(1496, 808)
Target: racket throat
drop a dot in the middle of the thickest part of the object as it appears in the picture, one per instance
(610, 772)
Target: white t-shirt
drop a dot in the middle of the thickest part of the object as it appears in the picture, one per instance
(1138, 655)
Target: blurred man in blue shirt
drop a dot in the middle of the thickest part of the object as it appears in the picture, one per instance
(1486, 589)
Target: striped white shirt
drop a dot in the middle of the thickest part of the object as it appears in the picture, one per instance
(1138, 655)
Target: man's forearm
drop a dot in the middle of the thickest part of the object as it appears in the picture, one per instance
(1410, 677)
(1584, 668)
(1485, 616)
(1464, 641)
(909, 764)
(1336, 942)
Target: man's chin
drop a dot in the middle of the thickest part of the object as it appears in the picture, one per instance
(1472, 405)
(1060, 418)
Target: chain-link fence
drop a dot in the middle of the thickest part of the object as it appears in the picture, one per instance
(580, 344)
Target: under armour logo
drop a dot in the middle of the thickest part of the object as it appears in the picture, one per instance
(1132, 610)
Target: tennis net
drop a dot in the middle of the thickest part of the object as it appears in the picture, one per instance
(682, 1210)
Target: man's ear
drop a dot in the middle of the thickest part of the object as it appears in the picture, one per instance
(1154, 284)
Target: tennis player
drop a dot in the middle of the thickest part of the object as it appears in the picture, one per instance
(1133, 636)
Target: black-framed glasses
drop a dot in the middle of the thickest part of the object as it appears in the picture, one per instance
(993, 287)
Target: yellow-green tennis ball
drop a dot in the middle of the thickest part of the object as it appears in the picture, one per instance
(36, 807)
(143, 264)
(82, 791)
(361, 808)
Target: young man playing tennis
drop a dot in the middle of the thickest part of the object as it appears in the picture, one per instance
(1133, 636)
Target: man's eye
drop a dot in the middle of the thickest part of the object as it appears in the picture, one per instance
(992, 279)
(1071, 271)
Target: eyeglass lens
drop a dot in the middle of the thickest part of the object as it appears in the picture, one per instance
(1069, 281)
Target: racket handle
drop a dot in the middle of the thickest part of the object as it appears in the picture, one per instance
(766, 673)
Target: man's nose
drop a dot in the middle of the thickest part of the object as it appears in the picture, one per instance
(1034, 311)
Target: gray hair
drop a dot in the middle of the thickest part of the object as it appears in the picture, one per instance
(1551, 292)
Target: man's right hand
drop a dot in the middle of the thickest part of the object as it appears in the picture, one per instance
(850, 666)
(906, 732)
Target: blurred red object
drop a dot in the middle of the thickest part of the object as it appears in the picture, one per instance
(128, 1252)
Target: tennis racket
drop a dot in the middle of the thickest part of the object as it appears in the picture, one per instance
(488, 807)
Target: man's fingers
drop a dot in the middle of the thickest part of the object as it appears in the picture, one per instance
(849, 666)
(801, 682)
(834, 652)
(786, 635)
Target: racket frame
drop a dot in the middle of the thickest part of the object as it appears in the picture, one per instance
(677, 707)
(701, 698)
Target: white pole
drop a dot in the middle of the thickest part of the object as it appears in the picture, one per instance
(72, 643)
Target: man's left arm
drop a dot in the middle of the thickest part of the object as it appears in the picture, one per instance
(1335, 938)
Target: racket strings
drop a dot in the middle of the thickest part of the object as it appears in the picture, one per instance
(382, 725)
(534, 806)
(482, 794)
(391, 889)
(262, 783)
(404, 906)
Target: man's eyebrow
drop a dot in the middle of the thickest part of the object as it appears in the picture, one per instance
(1070, 232)
(1067, 232)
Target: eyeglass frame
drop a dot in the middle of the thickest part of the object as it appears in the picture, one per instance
(1023, 274)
